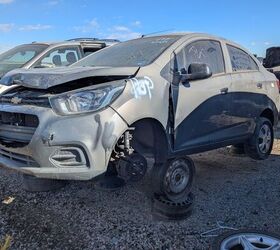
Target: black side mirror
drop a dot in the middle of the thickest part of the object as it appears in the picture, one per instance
(196, 71)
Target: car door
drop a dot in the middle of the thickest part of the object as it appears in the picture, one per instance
(201, 107)
(248, 91)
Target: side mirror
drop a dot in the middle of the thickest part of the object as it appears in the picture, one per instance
(196, 71)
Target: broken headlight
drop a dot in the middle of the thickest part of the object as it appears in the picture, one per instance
(86, 100)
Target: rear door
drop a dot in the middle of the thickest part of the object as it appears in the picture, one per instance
(248, 91)
(201, 106)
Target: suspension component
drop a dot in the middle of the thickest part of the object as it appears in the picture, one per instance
(123, 146)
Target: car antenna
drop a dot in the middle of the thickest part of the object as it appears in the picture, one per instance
(157, 32)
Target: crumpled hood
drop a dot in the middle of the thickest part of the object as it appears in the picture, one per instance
(46, 78)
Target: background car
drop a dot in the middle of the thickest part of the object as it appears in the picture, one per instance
(272, 60)
(50, 55)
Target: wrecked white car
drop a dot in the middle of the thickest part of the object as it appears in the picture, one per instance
(50, 55)
(163, 96)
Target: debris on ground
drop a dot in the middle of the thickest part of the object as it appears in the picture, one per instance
(7, 243)
(8, 200)
(220, 226)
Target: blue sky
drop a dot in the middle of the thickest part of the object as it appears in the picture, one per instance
(254, 24)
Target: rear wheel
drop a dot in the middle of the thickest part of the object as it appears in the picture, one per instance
(260, 144)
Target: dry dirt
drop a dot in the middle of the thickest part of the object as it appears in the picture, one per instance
(240, 192)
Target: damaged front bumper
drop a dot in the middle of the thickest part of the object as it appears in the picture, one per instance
(74, 147)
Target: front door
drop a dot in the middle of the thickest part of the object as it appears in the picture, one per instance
(201, 107)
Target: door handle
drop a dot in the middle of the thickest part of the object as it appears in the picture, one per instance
(259, 85)
(224, 91)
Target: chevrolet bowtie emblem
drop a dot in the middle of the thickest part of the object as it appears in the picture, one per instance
(16, 100)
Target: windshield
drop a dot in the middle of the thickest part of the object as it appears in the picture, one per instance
(134, 53)
(18, 56)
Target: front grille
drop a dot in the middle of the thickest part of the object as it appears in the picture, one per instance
(19, 119)
(16, 129)
(24, 160)
(26, 97)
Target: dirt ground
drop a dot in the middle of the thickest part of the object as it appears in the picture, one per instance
(238, 191)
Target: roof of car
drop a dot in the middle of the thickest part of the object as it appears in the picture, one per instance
(186, 34)
(77, 41)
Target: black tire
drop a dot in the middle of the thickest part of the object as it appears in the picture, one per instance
(221, 239)
(164, 209)
(173, 179)
(33, 184)
(252, 146)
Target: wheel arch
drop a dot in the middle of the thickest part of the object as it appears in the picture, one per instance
(269, 114)
(150, 137)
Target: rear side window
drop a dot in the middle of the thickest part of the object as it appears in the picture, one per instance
(205, 51)
(240, 60)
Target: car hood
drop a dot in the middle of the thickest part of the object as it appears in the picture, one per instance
(46, 78)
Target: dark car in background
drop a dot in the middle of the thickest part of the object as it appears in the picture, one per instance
(272, 60)
(50, 55)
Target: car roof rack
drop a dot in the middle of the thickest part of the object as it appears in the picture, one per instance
(88, 39)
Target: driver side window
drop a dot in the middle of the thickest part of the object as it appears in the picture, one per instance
(204, 51)
(63, 56)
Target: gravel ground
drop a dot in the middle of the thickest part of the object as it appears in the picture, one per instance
(238, 191)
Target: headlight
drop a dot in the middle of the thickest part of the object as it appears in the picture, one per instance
(87, 100)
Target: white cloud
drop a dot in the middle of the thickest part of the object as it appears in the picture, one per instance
(52, 3)
(121, 28)
(34, 27)
(6, 27)
(253, 43)
(267, 43)
(90, 26)
(120, 32)
(136, 24)
(124, 36)
(123, 33)
(6, 1)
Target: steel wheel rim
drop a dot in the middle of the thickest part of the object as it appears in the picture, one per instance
(265, 139)
(250, 241)
(177, 178)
